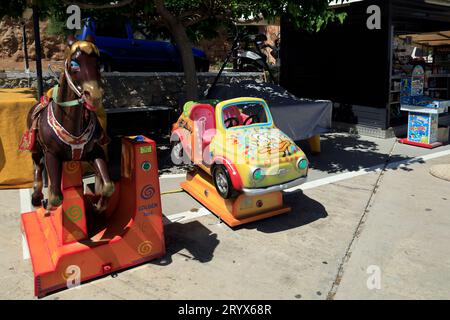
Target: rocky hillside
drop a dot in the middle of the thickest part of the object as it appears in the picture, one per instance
(11, 41)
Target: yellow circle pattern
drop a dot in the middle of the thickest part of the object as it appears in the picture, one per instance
(145, 248)
(71, 166)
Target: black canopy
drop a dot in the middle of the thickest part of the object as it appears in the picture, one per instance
(299, 118)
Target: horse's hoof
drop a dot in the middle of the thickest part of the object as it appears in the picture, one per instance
(36, 199)
(55, 201)
(101, 206)
(99, 209)
(108, 189)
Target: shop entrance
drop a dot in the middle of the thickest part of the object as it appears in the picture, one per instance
(431, 50)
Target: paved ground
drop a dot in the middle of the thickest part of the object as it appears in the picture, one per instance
(356, 231)
(406, 234)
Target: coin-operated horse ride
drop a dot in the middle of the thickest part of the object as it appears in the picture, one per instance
(82, 231)
(242, 161)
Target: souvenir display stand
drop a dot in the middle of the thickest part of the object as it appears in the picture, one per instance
(423, 117)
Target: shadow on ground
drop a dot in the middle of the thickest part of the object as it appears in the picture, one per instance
(165, 164)
(342, 153)
(304, 211)
(193, 236)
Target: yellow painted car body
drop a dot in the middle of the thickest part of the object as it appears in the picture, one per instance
(245, 149)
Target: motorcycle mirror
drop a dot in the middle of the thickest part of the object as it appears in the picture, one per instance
(250, 37)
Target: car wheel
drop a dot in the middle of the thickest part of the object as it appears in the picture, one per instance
(205, 66)
(177, 153)
(201, 65)
(222, 182)
(105, 65)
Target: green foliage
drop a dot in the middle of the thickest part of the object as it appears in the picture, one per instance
(198, 18)
(202, 16)
(48, 8)
(56, 27)
(12, 8)
(309, 15)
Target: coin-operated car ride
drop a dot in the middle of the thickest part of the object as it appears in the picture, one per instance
(238, 145)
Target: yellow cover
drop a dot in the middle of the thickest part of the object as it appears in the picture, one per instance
(16, 168)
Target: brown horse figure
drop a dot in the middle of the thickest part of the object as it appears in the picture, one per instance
(66, 127)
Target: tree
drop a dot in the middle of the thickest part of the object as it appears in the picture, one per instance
(179, 16)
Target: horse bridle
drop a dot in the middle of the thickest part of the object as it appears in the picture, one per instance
(81, 97)
(69, 79)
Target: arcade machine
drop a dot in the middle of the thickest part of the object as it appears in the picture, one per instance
(423, 117)
(72, 244)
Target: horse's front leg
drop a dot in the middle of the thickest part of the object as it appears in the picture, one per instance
(54, 170)
(107, 186)
(38, 167)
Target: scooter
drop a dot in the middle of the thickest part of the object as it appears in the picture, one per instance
(249, 56)
(245, 59)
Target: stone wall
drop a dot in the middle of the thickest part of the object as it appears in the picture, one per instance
(137, 89)
(11, 41)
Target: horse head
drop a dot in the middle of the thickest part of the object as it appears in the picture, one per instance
(81, 71)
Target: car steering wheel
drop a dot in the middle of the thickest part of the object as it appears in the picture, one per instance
(253, 117)
(233, 122)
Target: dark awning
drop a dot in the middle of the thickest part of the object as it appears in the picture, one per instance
(417, 16)
(431, 39)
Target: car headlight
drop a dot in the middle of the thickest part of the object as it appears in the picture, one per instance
(302, 164)
(258, 174)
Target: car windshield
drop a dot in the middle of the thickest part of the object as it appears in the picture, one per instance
(113, 29)
(244, 114)
(138, 35)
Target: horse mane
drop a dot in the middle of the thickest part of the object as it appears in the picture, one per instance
(84, 46)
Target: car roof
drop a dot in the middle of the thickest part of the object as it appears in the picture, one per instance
(241, 100)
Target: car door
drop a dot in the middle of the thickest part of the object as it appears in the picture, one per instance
(154, 55)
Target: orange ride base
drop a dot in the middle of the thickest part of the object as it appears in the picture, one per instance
(73, 244)
(237, 211)
(419, 144)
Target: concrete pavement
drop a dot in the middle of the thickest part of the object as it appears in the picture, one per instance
(405, 236)
(353, 218)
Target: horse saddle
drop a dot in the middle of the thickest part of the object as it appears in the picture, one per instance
(29, 138)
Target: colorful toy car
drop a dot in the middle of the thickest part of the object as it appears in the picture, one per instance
(238, 144)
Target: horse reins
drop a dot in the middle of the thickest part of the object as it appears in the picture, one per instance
(76, 143)
(81, 97)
